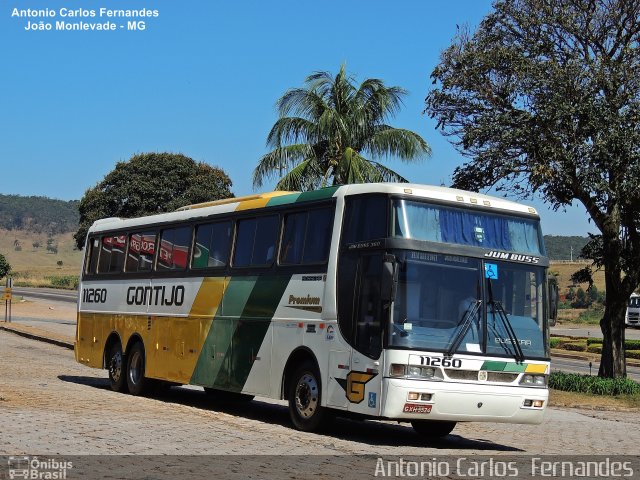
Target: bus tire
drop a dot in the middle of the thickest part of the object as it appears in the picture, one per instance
(305, 397)
(223, 396)
(433, 428)
(136, 381)
(116, 366)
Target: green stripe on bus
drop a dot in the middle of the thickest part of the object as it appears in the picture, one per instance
(220, 334)
(317, 194)
(515, 367)
(282, 199)
(250, 332)
(493, 366)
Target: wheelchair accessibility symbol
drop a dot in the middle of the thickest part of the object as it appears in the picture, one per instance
(491, 271)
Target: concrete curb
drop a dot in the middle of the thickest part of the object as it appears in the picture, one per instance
(37, 335)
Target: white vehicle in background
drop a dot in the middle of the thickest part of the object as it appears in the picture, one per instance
(632, 318)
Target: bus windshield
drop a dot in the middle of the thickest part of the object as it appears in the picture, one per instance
(435, 223)
(443, 302)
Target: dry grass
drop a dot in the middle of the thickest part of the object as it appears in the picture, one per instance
(564, 271)
(30, 266)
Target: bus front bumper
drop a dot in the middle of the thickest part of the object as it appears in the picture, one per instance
(463, 402)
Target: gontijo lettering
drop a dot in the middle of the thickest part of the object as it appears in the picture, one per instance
(158, 295)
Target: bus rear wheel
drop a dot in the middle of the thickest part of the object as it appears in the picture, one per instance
(136, 381)
(116, 364)
(433, 428)
(305, 397)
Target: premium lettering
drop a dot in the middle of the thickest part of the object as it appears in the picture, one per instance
(308, 300)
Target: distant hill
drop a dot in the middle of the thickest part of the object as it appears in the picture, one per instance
(38, 214)
(559, 247)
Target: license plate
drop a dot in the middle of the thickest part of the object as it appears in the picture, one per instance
(416, 408)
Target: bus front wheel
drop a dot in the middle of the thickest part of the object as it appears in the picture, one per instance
(136, 381)
(433, 428)
(304, 399)
(116, 367)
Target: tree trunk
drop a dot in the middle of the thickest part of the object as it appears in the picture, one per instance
(612, 361)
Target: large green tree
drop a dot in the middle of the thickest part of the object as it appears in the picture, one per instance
(333, 131)
(544, 98)
(150, 183)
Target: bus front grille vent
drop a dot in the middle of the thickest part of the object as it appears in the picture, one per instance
(495, 377)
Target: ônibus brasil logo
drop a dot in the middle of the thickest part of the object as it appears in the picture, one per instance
(35, 468)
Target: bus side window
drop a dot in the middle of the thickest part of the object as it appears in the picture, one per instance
(318, 236)
(174, 249)
(142, 249)
(307, 237)
(295, 225)
(256, 241)
(212, 244)
(365, 219)
(93, 247)
(112, 254)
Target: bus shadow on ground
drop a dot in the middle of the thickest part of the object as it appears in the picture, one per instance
(362, 431)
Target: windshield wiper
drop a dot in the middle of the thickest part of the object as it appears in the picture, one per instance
(502, 315)
(468, 317)
(403, 332)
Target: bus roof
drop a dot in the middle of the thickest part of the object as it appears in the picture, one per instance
(250, 202)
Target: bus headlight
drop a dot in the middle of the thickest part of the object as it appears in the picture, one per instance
(414, 371)
(534, 380)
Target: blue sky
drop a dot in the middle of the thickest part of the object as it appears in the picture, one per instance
(203, 79)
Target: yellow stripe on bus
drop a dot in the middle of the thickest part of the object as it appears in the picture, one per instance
(172, 344)
(259, 202)
(209, 297)
(536, 368)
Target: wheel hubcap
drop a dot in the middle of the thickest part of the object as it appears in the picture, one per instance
(115, 366)
(307, 396)
(135, 368)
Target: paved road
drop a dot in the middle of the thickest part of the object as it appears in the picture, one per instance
(581, 366)
(590, 331)
(51, 404)
(69, 296)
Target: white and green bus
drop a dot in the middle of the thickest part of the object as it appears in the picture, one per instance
(405, 302)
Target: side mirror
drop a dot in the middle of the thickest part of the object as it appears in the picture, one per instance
(553, 303)
(389, 279)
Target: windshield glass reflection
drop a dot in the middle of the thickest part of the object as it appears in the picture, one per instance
(519, 290)
(434, 294)
(443, 304)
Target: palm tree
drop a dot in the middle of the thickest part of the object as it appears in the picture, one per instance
(333, 132)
